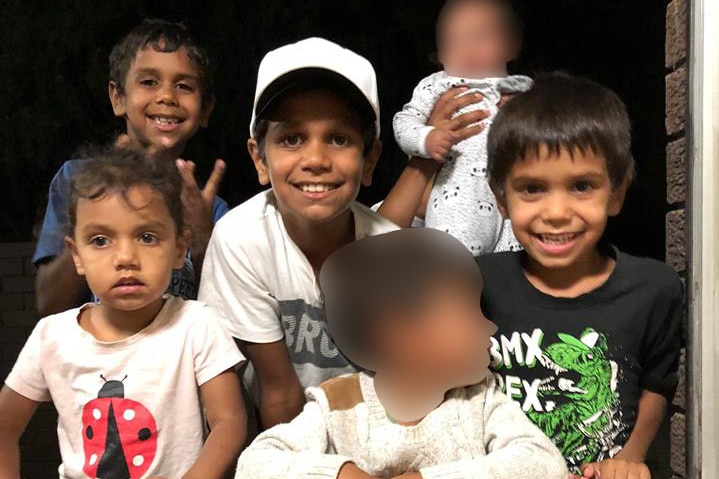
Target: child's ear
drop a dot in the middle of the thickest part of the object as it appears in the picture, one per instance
(616, 200)
(72, 248)
(208, 106)
(181, 250)
(263, 175)
(117, 99)
(370, 162)
(501, 200)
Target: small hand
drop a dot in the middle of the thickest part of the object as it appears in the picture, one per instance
(198, 204)
(439, 143)
(616, 469)
(466, 124)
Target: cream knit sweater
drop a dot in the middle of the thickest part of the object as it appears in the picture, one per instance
(477, 433)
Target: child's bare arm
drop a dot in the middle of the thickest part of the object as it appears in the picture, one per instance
(630, 461)
(58, 286)
(15, 413)
(281, 394)
(198, 206)
(227, 419)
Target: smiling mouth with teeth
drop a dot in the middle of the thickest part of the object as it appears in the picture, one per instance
(554, 239)
(165, 120)
(316, 188)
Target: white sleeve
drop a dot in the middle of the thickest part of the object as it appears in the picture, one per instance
(27, 378)
(296, 450)
(214, 350)
(410, 124)
(515, 447)
(231, 284)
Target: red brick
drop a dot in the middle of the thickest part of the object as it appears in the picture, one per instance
(676, 241)
(676, 171)
(18, 284)
(680, 396)
(19, 319)
(11, 301)
(678, 439)
(11, 267)
(676, 101)
(676, 33)
(16, 250)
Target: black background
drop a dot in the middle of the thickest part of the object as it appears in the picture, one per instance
(53, 82)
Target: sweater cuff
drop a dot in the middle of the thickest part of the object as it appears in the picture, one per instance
(327, 468)
(452, 470)
(422, 141)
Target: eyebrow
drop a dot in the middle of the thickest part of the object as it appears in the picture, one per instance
(582, 176)
(156, 72)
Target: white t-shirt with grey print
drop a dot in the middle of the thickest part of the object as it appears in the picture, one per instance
(265, 287)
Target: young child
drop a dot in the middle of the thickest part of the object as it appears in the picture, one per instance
(588, 336)
(314, 139)
(129, 376)
(405, 306)
(475, 41)
(161, 85)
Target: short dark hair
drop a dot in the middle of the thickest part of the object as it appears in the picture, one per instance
(561, 111)
(514, 23)
(394, 271)
(356, 104)
(161, 36)
(110, 169)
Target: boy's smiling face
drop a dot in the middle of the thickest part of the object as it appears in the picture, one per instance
(126, 248)
(559, 205)
(162, 101)
(313, 157)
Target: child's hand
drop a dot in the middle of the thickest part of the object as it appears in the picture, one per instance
(439, 142)
(449, 104)
(198, 203)
(616, 469)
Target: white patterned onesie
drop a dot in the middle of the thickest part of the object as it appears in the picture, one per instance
(461, 202)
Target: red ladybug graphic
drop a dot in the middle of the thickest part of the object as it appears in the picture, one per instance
(119, 435)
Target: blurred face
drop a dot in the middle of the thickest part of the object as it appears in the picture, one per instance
(313, 158)
(474, 41)
(126, 248)
(448, 340)
(559, 207)
(162, 102)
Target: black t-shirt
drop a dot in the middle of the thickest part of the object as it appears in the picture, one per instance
(577, 366)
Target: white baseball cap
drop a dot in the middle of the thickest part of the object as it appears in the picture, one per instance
(310, 59)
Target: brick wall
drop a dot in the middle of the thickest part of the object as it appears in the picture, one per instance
(676, 157)
(40, 456)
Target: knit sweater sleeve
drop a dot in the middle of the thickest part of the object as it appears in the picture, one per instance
(515, 447)
(410, 124)
(297, 450)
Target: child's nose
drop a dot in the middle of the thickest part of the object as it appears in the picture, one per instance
(167, 94)
(556, 208)
(126, 256)
(316, 156)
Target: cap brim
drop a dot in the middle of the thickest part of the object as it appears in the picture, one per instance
(312, 77)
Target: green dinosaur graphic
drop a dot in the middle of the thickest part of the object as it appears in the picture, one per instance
(581, 413)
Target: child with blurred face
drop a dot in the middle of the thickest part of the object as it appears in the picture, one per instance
(476, 39)
(405, 307)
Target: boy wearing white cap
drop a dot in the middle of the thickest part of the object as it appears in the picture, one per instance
(315, 140)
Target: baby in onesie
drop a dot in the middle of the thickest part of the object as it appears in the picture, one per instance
(475, 41)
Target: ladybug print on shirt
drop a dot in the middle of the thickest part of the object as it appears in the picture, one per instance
(119, 435)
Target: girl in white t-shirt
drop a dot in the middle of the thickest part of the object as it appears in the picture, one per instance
(129, 376)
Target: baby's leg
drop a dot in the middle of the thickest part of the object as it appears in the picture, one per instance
(461, 202)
